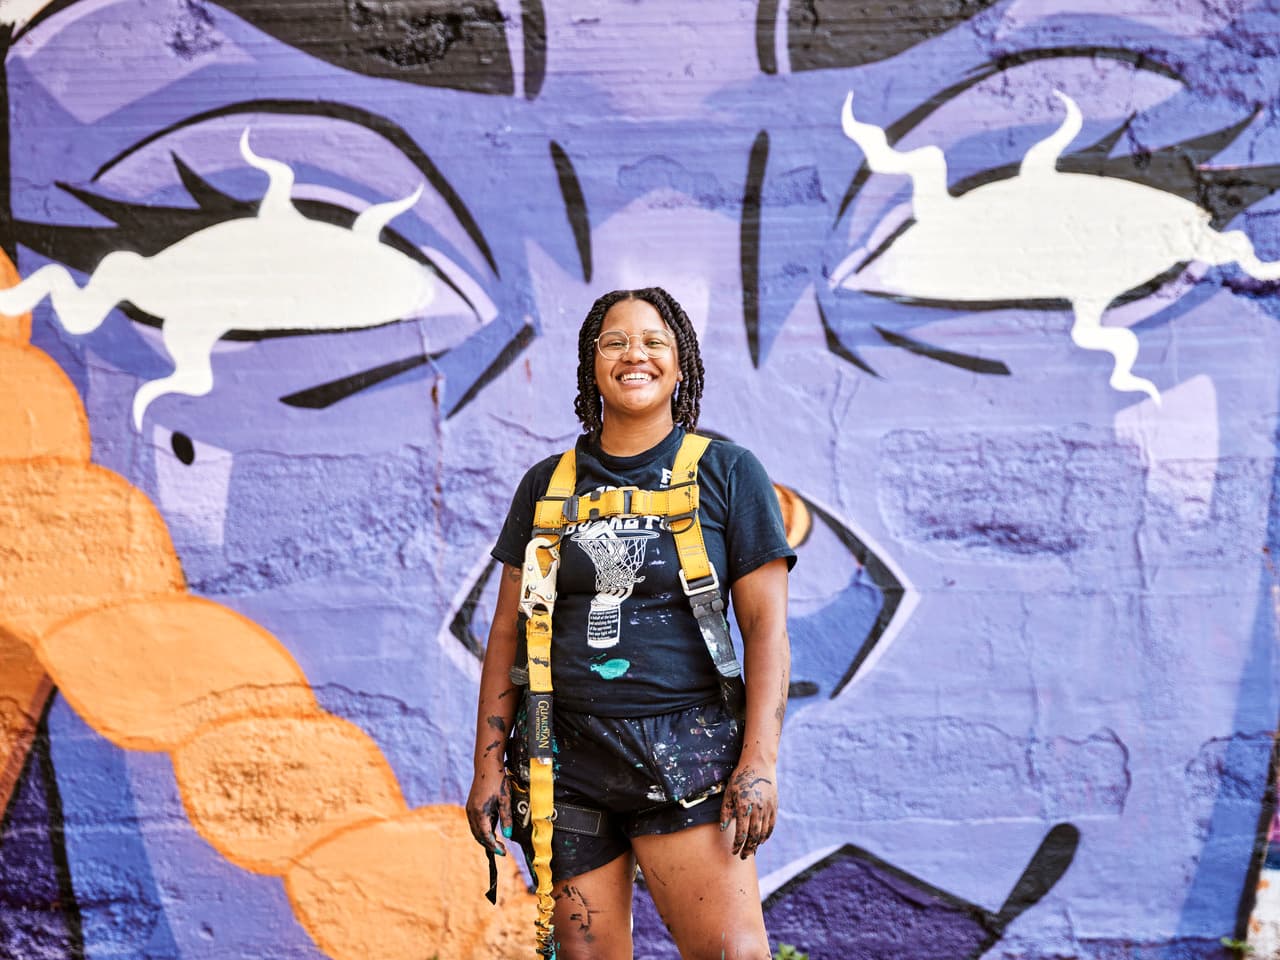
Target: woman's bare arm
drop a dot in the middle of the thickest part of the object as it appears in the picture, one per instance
(751, 797)
(489, 802)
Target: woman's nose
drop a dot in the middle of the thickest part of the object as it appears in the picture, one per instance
(635, 349)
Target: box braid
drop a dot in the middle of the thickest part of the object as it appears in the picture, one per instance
(685, 403)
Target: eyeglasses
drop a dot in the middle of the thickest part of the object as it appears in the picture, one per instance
(614, 344)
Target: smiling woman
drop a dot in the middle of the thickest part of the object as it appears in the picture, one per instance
(654, 740)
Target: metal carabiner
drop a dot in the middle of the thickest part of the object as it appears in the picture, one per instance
(538, 589)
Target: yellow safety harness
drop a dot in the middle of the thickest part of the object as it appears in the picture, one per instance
(678, 507)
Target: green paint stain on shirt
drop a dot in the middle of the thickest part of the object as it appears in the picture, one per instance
(612, 669)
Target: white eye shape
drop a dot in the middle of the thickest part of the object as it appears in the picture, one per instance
(278, 271)
(1037, 235)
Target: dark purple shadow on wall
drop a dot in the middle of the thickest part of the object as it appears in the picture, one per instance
(39, 917)
(851, 905)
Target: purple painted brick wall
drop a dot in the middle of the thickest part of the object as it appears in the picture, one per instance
(1033, 620)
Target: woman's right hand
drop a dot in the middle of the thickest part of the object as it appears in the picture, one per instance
(488, 805)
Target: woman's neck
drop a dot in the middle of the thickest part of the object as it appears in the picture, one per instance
(625, 437)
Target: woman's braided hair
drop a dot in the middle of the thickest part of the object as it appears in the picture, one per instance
(687, 399)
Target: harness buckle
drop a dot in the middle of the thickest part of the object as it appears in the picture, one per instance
(538, 589)
(573, 505)
(700, 586)
(679, 522)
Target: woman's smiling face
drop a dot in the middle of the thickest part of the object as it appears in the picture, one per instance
(636, 384)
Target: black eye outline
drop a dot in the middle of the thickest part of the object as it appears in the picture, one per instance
(487, 71)
(149, 229)
(134, 229)
(1176, 168)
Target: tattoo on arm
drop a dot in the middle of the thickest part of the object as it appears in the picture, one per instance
(748, 789)
(496, 722)
(514, 574)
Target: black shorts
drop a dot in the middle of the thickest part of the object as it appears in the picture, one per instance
(647, 775)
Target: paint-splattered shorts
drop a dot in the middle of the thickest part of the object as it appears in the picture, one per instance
(636, 770)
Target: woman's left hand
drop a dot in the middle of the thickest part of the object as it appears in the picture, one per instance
(751, 805)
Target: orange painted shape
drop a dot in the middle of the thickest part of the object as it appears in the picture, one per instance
(12, 328)
(76, 537)
(262, 790)
(24, 688)
(40, 410)
(796, 518)
(147, 674)
(410, 887)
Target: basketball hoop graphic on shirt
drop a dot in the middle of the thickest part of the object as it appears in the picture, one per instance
(617, 556)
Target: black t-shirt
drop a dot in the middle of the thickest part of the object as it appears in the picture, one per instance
(624, 639)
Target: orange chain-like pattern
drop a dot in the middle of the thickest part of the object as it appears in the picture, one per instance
(92, 598)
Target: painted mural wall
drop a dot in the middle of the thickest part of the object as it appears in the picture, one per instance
(295, 287)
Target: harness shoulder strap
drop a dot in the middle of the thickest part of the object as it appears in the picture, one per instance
(695, 568)
(700, 583)
(538, 596)
(548, 514)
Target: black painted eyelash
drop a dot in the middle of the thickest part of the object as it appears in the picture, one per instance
(1179, 169)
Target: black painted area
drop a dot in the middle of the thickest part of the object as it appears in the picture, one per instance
(1261, 845)
(964, 361)
(575, 205)
(839, 349)
(183, 448)
(504, 359)
(458, 44)
(1179, 168)
(461, 624)
(890, 588)
(393, 133)
(767, 35)
(39, 915)
(909, 121)
(885, 244)
(534, 17)
(327, 394)
(830, 34)
(749, 246)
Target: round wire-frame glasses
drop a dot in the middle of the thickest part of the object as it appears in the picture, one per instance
(614, 344)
